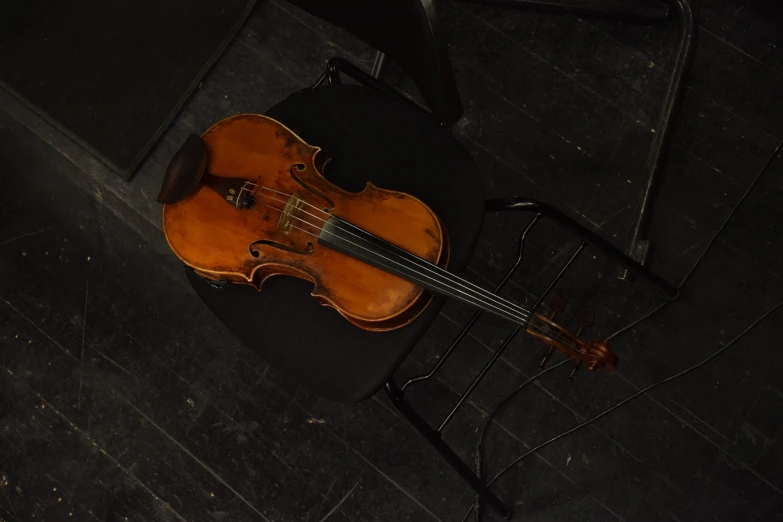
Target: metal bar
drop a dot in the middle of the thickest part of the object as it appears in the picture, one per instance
(478, 379)
(532, 205)
(397, 394)
(324, 78)
(638, 246)
(467, 327)
(333, 67)
(508, 339)
(433, 437)
(379, 66)
(558, 276)
(337, 65)
(625, 11)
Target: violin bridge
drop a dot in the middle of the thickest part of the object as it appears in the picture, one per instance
(290, 213)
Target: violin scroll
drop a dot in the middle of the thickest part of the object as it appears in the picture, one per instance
(594, 354)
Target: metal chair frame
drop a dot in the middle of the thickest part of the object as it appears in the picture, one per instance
(539, 210)
(346, 14)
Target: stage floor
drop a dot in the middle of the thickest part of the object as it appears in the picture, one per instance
(122, 398)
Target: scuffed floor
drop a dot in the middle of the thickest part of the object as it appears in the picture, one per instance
(121, 398)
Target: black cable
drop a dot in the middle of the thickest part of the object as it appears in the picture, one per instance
(477, 505)
(707, 248)
(637, 394)
(490, 417)
(626, 400)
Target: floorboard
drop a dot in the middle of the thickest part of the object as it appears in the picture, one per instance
(121, 398)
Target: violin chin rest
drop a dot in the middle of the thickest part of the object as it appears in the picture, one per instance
(185, 170)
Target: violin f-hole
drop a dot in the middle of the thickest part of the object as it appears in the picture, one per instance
(299, 167)
(309, 248)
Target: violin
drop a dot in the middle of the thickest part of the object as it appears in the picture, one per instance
(247, 201)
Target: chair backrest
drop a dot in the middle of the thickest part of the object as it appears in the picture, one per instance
(407, 32)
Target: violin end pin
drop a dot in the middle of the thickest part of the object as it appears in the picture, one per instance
(547, 356)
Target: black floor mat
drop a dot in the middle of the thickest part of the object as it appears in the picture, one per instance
(113, 74)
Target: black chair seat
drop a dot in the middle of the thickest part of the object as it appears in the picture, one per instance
(370, 136)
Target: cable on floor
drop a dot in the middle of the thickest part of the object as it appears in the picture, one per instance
(477, 506)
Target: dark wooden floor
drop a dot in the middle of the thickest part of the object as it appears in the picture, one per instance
(121, 398)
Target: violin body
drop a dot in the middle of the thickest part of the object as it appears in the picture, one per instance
(258, 210)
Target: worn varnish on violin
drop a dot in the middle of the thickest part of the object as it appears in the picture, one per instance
(258, 212)
(248, 201)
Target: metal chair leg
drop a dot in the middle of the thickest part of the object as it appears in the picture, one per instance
(433, 437)
(638, 244)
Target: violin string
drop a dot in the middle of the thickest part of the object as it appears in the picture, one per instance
(524, 318)
(517, 311)
(548, 330)
(544, 328)
(420, 263)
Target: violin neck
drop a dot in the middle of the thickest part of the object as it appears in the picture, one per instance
(353, 241)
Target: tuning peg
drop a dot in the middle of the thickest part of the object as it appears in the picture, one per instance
(583, 320)
(547, 356)
(573, 370)
(556, 305)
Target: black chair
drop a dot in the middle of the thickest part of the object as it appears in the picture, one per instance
(373, 134)
(370, 136)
